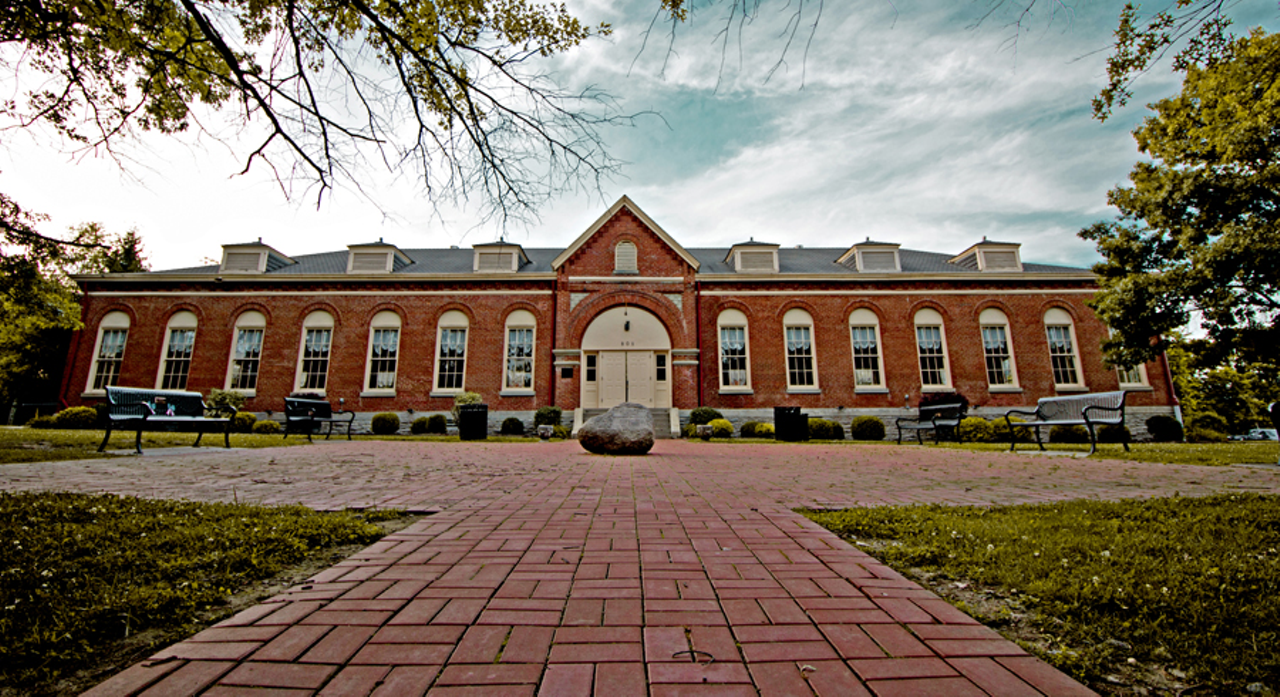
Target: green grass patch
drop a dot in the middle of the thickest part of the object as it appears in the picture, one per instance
(1212, 454)
(82, 572)
(1192, 584)
(45, 445)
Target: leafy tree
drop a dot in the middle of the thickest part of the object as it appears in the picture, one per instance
(1198, 236)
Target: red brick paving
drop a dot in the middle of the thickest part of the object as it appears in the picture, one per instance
(548, 571)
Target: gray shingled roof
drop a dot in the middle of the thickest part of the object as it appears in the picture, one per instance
(806, 260)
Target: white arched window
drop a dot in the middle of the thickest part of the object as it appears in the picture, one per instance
(246, 353)
(931, 348)
(451, 352)
(108, 352)
(997, 350)
(735, 352)
(521, 331)
(313, 354)
(1063, 350)
(179, 340)
(625, 258)
(797, 331)
(868, 368)
(384, 353)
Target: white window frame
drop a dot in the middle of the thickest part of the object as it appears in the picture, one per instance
(1142, 384)
(449, 321)
(622, 265)
(1058, 317)
(383, 321)
(996, 318)
(929, 317)
(864, 318)
(249, 320)
(318, 320)
(181, 321)
(111, 322)
(733, 319)
(797, 318)
(519, 320)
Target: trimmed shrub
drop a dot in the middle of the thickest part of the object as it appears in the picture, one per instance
(464, 398)
(41, 422)
(385, 423)
(225, 398)
(561, 432)
(1208, 422)
(548, 416)
(704, 415)
(750, 429)
(764, 430)
(689, 430)
(76, 417)
(512, 426)
(1000, 432)
(975, 429)
(825, 429)
(1068, 434)
(266, 427)
(1113, 433)
(866, 428)
(418, 426)
(1164, 429)
(243, 422)
(721, 428)
(437, 423)
(1196, 434)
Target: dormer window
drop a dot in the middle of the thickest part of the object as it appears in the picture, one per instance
(872, 257)
(242, 262)
(377, 257)
(252, 257)
(499, 257)
(625, 258)
(495, 261)
(753, 257)
(990, 256)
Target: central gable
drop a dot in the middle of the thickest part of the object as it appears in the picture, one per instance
(655, 252)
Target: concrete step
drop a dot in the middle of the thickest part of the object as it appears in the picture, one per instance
(661, 420)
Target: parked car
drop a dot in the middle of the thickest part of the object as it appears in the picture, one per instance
(1257, 434)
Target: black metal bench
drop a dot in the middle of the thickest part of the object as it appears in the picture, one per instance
(1088, 410)
(140, 409)
(936, 418)
(307, 414)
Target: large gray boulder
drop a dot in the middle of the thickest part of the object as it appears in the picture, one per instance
(626, 429)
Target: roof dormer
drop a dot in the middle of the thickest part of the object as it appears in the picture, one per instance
(498, 257)
(988, 255)
(252, 257)
(376, 257)
(872, 257)
(753, 257)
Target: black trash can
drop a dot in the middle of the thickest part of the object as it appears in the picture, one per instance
(473, 422)
(790, 425)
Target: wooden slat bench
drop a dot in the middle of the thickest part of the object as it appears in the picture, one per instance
(141, 409)
(1088, 410)
(304, 415)
(933, 418)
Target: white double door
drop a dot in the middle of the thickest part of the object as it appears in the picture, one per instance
(626, 376)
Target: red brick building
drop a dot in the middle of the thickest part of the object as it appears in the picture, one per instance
(625, 313)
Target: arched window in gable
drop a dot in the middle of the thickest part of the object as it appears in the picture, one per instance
(625, 258)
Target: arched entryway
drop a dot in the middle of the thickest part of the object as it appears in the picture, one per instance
(626, 357)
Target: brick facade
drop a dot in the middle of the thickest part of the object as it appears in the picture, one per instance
(566, 295)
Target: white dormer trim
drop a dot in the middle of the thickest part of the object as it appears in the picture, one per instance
(253, 257)
(746, 257)
(498, 257)
(374, 258)
(869, 257)
(993, 256)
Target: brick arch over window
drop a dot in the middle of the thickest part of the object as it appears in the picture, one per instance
(232, 318)
(730, 304)
(539, 314)
(448, 307)
(588, 309)
(320, 307)
(796, 304)
(381, 307)
(934, 305)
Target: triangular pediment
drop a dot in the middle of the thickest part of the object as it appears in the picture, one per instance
(648, 222)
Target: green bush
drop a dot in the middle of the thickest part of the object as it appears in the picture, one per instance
(243, 422)
(438, 424)
(219, 399)
(266, 427)
(385, 423)
(975, 429)
(764, 430)
(512, 427)
(866, 428)
(548, 416)
(751, 429)
(1113, 433)
(1000, 432)
(721, 428)
(825, 429)
(41, 422)
(464, 398)
(1196, 434)
(1164, 429)
(76, 417)
(704, 415)
(1209, 422)
(418, 426)
(1068, 434)
(561, 432)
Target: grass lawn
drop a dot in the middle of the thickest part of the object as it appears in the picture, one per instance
(45, 445)
(87, 580)
(1176, 594)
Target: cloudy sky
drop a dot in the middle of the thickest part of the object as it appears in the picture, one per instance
(905, 123)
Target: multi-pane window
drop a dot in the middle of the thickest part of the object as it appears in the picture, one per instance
(933, 359)
(384, 349)
(1062, 354)
(1132, 376)
(245, 359)
(453, 358)
(733, 357)
(110, 358)
(995, 349)
(866, 356)
(179, 342)
(590, 367)
(660, 368)
(315, 358)
(799, 356)
(519, 358)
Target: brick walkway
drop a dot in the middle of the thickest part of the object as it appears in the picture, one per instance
(548, 571)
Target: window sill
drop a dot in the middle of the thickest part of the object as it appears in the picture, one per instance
(626, 273)
(736, 390)
(378, 393)
(1070, 389)
(1004, 389)
(93, 393)
(946, 389)
(1137, 388)
(871, 390)
(448, 394)
(803, 390)
(517, 393)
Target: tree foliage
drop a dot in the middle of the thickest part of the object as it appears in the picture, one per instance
(1198, 236)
